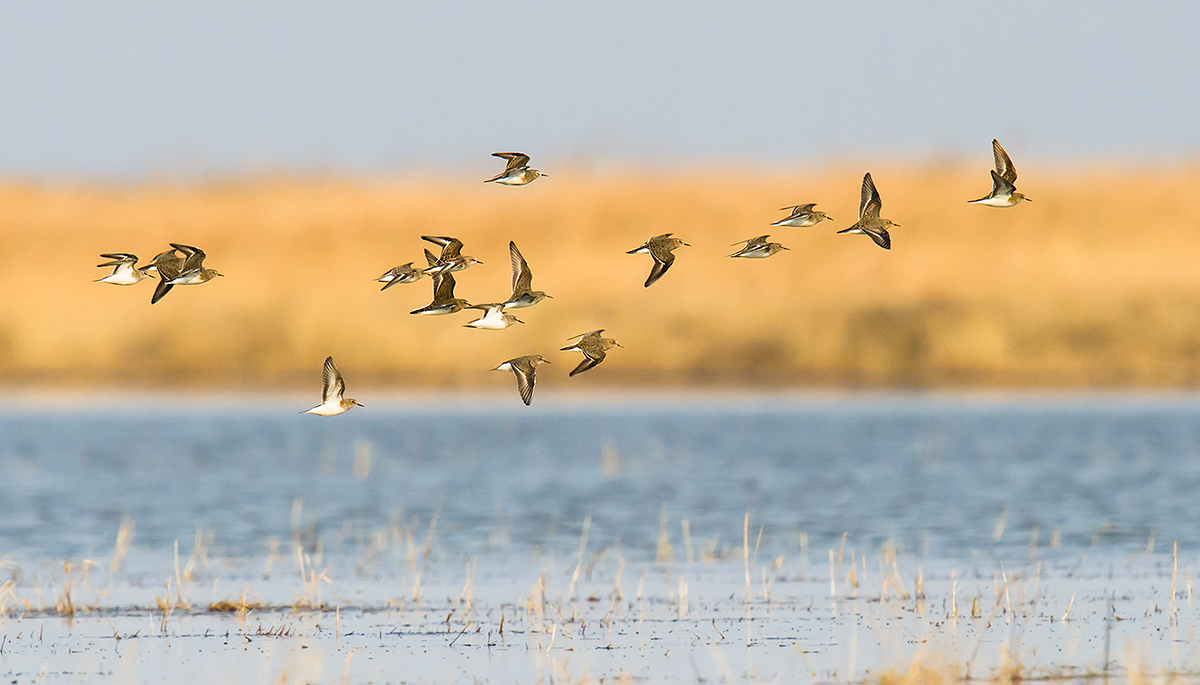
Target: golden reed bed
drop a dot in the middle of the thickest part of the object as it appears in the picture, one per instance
(1096, 283)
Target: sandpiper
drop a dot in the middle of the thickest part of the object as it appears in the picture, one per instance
(193, 272)
(124, 269)
(332, 389)
(659, 247)
(517, 172)
(444, 301)
(1004, 193)
(523, 294)
(593, 347)
(168, 265)
(405, 273)
(868, 216)
(524, 368)
(757, 248)
(494, 317)
(802, 216)
(451, 258)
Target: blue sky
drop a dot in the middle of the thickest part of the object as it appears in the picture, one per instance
(141, 88)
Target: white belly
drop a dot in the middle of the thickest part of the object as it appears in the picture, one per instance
(514, 180)
(121, 278)
(326, 410)
(190, 279)
(798, 222)
(997, 201)
(490, 322)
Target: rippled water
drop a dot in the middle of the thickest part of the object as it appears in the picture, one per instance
(932, 474)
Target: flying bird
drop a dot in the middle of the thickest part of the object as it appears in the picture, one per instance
(332, 389)
(405, 273)
(869, 222)
(444, 301)
(451, 258)
(593, 346)
(193, 272)
(802, 216)
(525, 369)
(523, 294)
(124, 269)
(757, 248)
(659, 247)
(517, 172)
(1004, 193)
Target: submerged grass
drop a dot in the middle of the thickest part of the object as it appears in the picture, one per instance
(1092, 284)
(691, 609)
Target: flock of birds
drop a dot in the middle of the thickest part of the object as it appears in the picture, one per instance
(184, 265)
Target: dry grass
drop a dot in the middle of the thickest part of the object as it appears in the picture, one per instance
(1093, 284)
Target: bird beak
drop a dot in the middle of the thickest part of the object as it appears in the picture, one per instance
(550, 296)
(618, 344)
(517, 320)
(360, 404)
(545, 175)
(686, 245)
(221, 274)
(1028, 200)
(785, 247)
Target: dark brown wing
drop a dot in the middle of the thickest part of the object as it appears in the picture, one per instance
(516, 160)
(661, 264)
(443, 288)
(169, 267)
(194, 257)
(332, 384)
(118, 258)
(451, 247)
(869, 203)
(525, 373)
(161, 290)
(1004, 165)
(1000, 186)
(584, 365)
(880, 236)
(522, 277)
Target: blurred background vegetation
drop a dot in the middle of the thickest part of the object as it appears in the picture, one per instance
(1093, 284)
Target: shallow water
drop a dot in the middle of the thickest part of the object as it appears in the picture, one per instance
(406, 506)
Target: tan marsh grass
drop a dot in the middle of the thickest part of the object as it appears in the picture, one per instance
(1092, 284)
